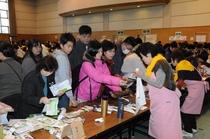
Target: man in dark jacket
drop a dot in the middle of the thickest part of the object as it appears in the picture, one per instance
(76, 56)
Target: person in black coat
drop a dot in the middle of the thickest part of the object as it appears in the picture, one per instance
(35, 87)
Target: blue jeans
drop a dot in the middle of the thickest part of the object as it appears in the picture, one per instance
(63, 101)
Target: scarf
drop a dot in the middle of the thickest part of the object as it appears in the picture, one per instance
(183, 65)
(152, 64)
(109, 62)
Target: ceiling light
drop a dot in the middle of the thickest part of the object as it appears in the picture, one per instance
(111, 9)
(138, 6)
(89, 12)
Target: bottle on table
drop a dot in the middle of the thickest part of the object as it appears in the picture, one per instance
(104, 105)
(120, 110)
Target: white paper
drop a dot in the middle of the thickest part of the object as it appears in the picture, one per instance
(63, 86)
(140, 96)
(201, 38)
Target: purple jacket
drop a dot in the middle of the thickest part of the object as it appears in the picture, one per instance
(96, 76)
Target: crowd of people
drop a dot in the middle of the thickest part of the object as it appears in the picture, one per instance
(28, 69)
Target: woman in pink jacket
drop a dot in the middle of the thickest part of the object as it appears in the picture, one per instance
(96, 73)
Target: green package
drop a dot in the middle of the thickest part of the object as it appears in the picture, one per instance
(52, 108)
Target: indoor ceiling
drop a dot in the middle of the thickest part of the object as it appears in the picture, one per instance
(115, 7)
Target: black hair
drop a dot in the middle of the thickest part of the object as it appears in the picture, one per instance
(184, 44)
(66, 37)
(33, 43)
(15, 46)
(177, 55)
(85, 29)
(160, 48)
(107, 45)
(139, 40)
(166, 46)
(92, 51)
(48, 63)
(146, 48)
(190, 46)
(94, 47)
(55, 45)
(131, 41)
(199, 45)
(174, 44)
(7, 49)
(206, 45)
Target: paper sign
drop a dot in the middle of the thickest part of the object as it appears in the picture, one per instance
(63, 87)
(201, 38)
(52, 108)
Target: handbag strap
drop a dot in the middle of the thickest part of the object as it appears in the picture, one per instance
(78, 86)
(90, 88)
(90, 91)
(13, 70)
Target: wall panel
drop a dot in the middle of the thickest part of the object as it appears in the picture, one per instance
(184, 8)
(47, 18)
(25, 16)
(26, 24)
(203, 6)
(47, 8)
(25, 8)
(26, 30)
(45, 2)
(138, 13)
(49, 30)
(47, 15)
(26, 2)
(136, 24)
(94, 26)
(85, 19)
(49, 23)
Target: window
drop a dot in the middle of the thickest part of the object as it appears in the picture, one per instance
(4, 17)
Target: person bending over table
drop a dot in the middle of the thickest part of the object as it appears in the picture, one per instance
(165, 119)
(97, 73)
(35, 87)
(186, 73)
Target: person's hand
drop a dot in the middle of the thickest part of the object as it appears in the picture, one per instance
(60, 93)
(122, 83)
(112, 94)
(2, 57)
(200, 60)
(4, 107)
(74, 102)
(138, 73)
(125, 78)
(2, 110)
(45, 100)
